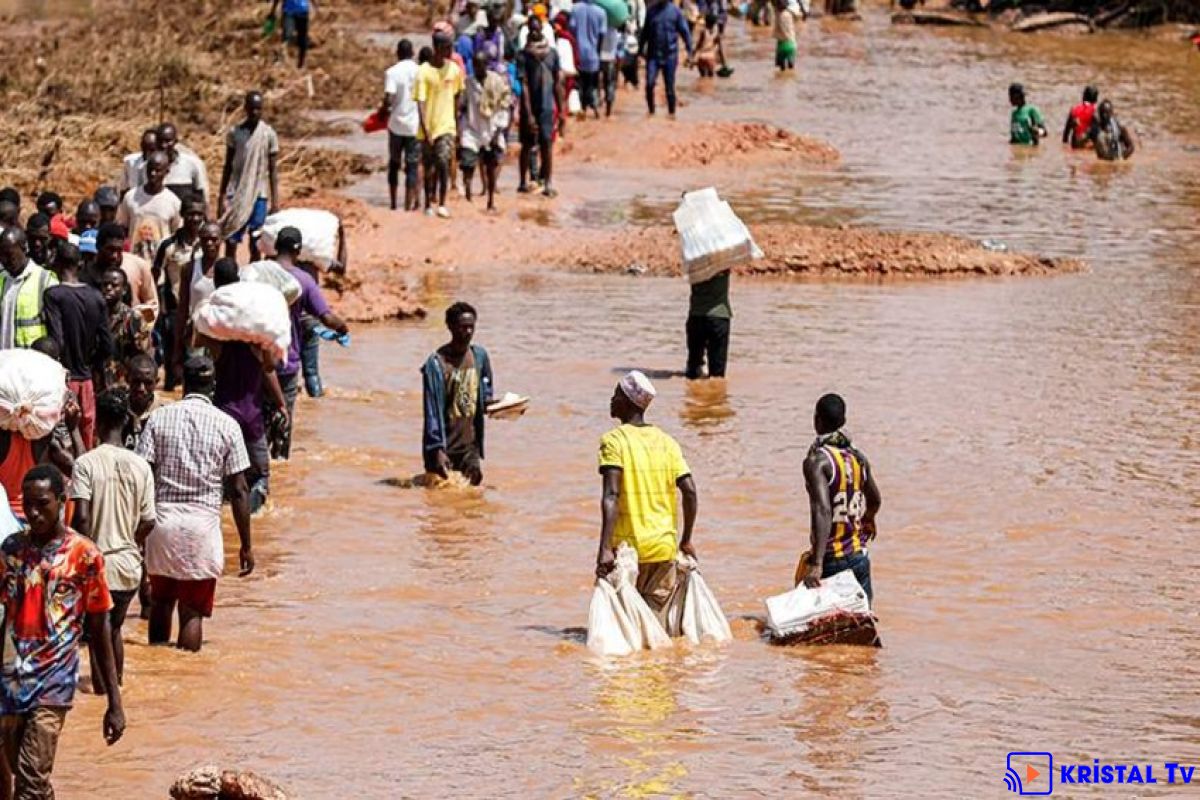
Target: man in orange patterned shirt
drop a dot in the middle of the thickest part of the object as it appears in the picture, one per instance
(51, 583)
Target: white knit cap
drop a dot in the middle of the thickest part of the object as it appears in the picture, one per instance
(638, 388)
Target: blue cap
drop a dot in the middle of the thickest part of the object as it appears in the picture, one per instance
(87, 241)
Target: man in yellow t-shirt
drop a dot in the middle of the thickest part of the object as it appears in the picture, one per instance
(642, 467)
(436, 91)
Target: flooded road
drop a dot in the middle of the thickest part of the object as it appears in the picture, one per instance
(1035, 442)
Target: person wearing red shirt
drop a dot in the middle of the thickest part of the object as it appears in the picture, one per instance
(1079, 121)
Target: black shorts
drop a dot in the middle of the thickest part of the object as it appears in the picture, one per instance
(406, 149)
(121, 599)
(545, 131)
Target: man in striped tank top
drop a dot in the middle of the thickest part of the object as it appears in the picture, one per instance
(843, 497)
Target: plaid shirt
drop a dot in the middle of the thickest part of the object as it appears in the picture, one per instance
(193, 447)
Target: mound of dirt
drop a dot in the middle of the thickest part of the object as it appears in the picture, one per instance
(805, 250)
(716, 142)
(656, 144)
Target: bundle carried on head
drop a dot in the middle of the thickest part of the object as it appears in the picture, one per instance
(319, 234)
(33, 387)
(256, 313)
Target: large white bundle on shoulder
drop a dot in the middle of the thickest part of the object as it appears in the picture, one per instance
(272, 274)
(318, 233)
(255, 313)
(711, 236)
(619, 621)
(33, 387)
(693, 611)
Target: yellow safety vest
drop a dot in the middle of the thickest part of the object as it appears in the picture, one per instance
(29, 324)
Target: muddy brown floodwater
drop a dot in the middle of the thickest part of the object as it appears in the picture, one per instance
(1035, 440)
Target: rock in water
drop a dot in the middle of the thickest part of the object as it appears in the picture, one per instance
(209, 783)
(248, 786)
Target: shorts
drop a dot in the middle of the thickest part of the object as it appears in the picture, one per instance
(545, 132)
(439, 152)
(85, 391)
(28, 744)
(469, 156)
(198, 596)
(404, 149)
(785, 49)
(258, 218)
(655, 582)
(122, 598)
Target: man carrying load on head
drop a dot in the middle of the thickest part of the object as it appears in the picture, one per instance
(641, 468)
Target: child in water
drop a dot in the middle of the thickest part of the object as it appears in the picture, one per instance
(708, 45)
(785, 34)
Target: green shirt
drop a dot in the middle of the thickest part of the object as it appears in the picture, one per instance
(710, 298)
(1025, 120)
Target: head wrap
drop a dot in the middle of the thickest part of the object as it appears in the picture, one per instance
(539, 11)
(638, 389)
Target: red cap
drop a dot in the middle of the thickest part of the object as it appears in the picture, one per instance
(59, 228)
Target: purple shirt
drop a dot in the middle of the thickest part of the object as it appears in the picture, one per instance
(496, 40)
(311, 302)
(239, 373)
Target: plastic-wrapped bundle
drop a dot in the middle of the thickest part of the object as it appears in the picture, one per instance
(256, 313)
(272, 274)
(711, 236)
(318, 234)
(33, 387)
(619, 621)
(836, 611)
(693, 611)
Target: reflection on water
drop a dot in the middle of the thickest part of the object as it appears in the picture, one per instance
(1035, 442)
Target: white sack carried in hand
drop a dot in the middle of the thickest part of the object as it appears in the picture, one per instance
(639, 626)
(247, 312)
(711, 236)
(318, 234)
(610, 631)
(701, 614)
(33, 387)
(272, 274)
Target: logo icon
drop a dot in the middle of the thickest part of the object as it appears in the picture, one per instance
(1029, 773)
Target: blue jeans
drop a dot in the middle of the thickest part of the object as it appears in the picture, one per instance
(290, 384)
(859, 563)
(667, 67)
(310, 353)
(258, 477)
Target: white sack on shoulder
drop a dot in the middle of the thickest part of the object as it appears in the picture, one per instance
(247, 312)
(33, 387)
(318, 234)
(272, 274)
